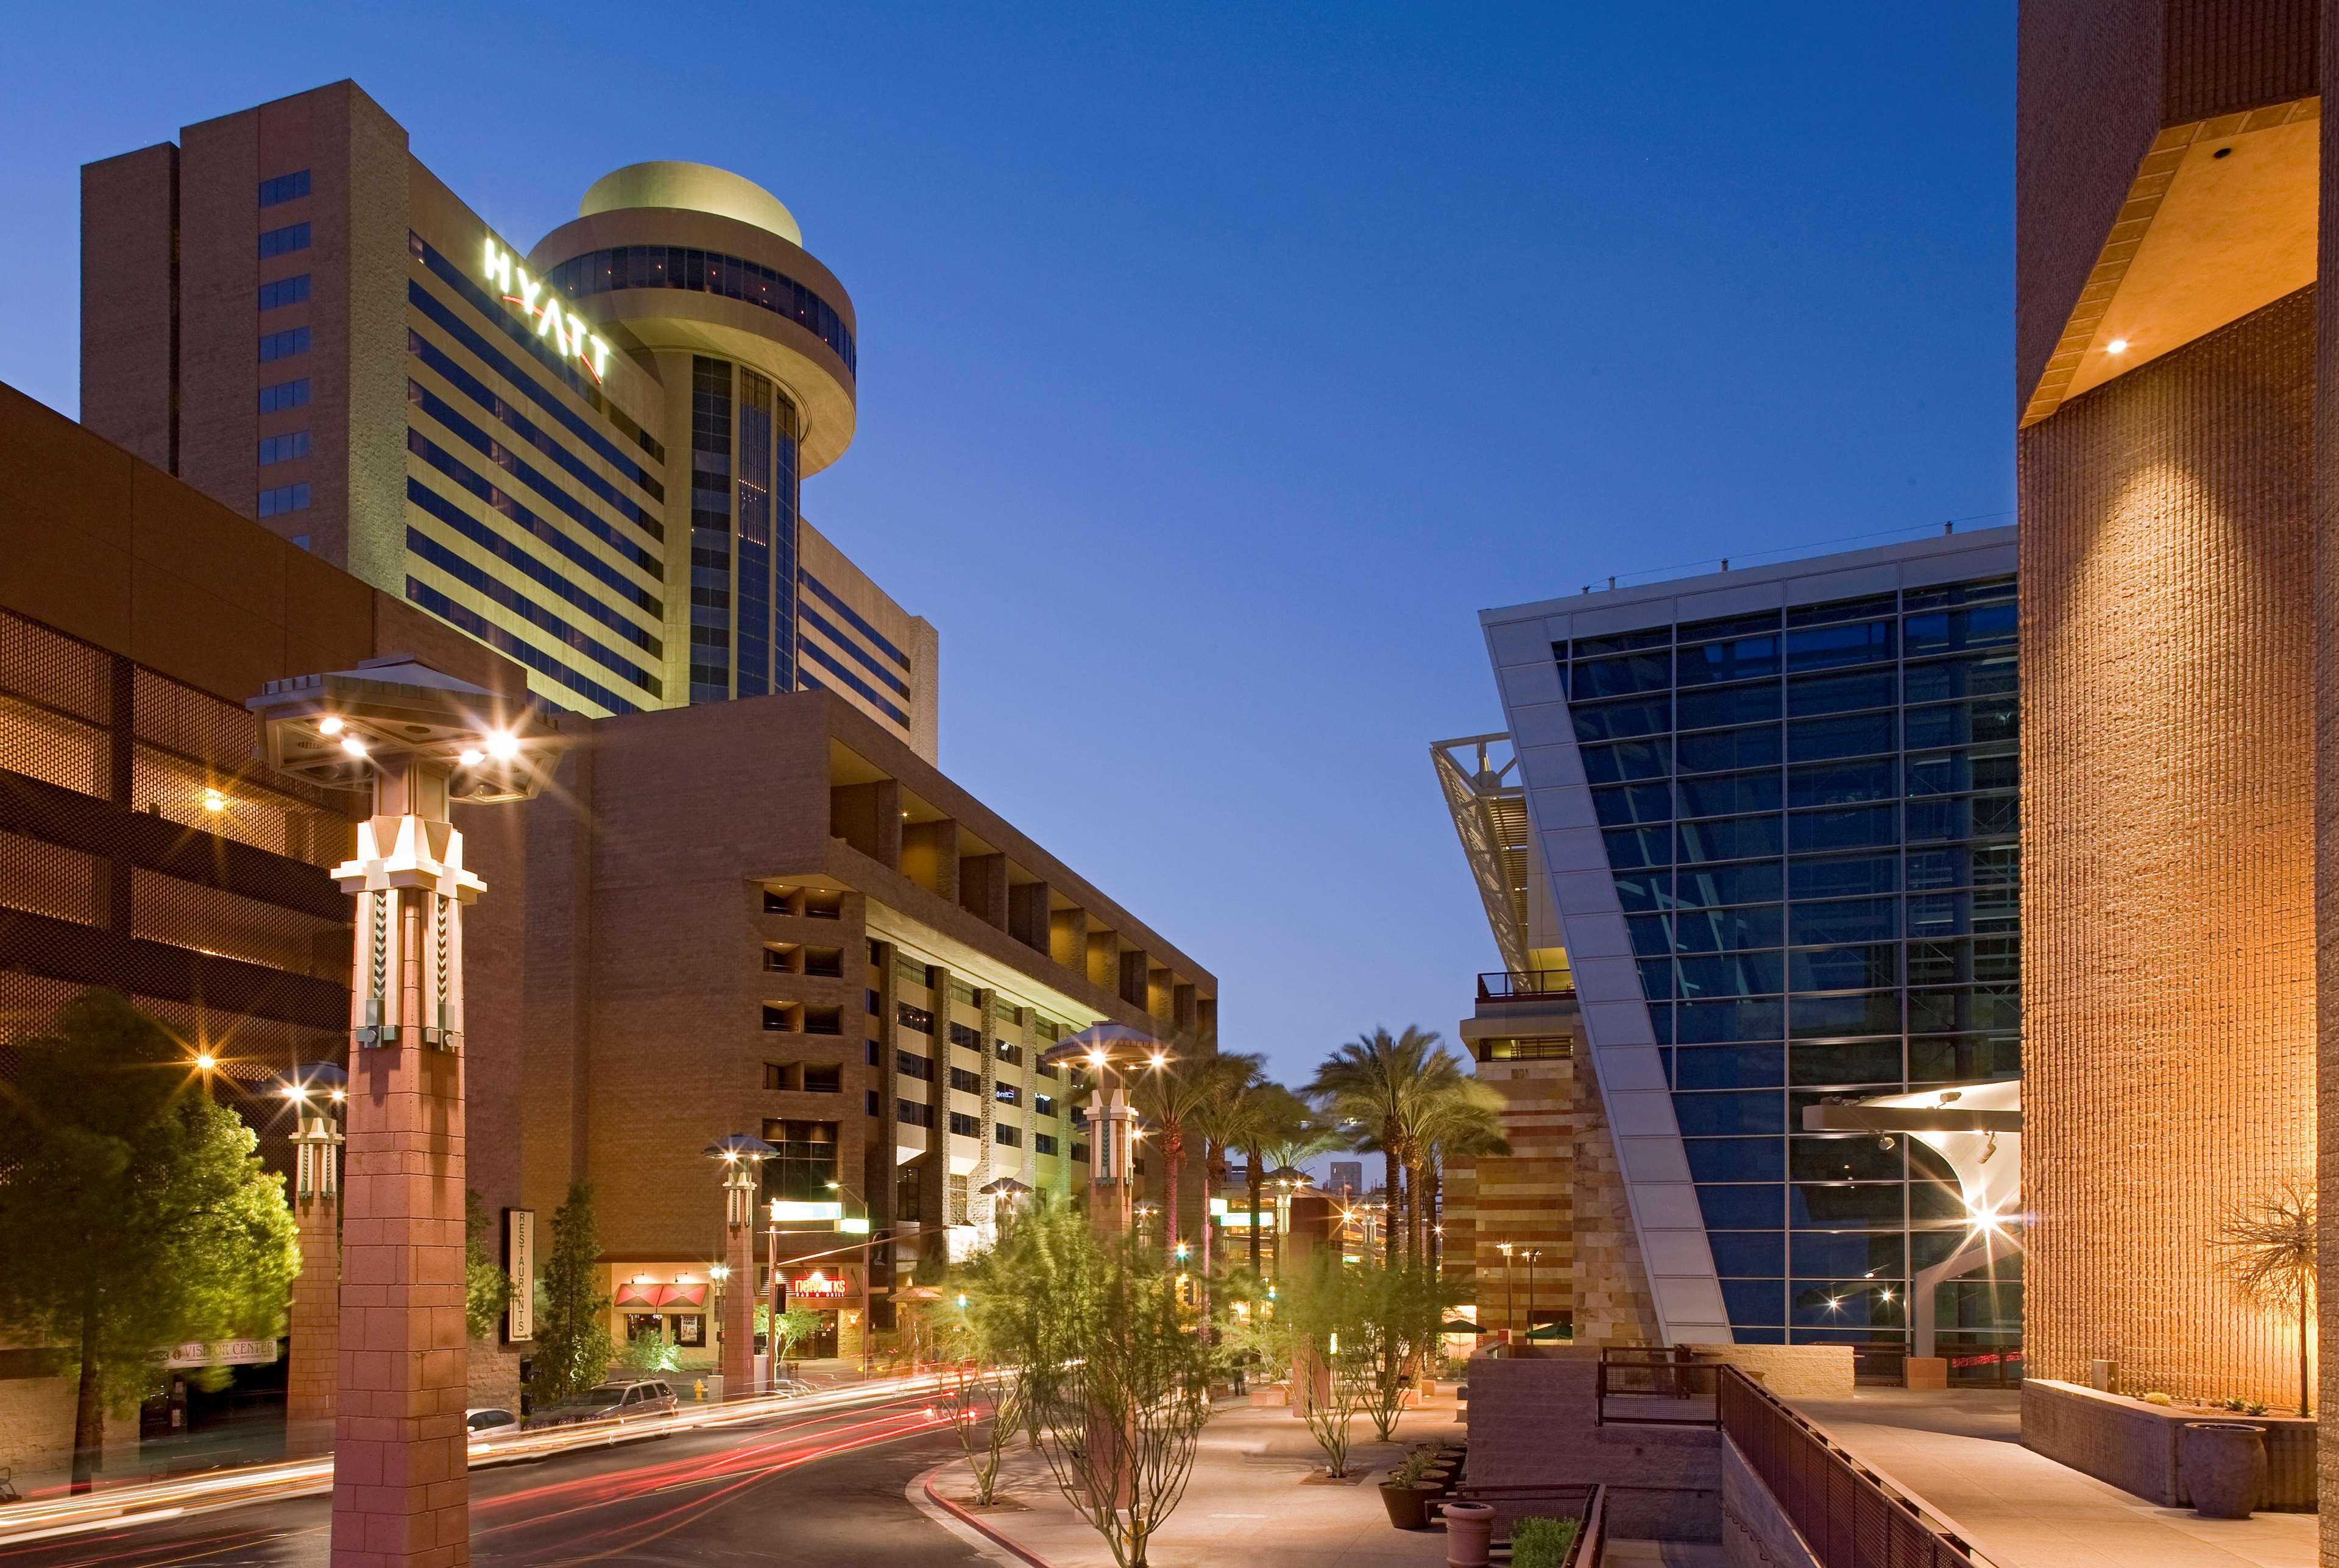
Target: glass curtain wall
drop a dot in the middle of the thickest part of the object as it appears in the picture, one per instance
(743, 588)
(1811, 817)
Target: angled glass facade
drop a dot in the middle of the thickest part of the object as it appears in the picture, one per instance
(1810, 815)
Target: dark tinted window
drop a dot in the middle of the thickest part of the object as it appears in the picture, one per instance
(1740, 1208)
(1723, 1115)
(1718, 750)
(1744, 1252)
(1846, 921)
(1621, 676)
(1815, 740)
(1627, 760)
(1729, 930)
(1747, 881)
(284, 188)
(1840, 693)
(1829, 648)
(1730, 795)
(1738, 659)
(283, 241)
(1949, 631)
(1730, 838)
(1630, 848)
(1736, 1160)
(1842, 876)
(1618, 721)
(1730, 706)
(1842, 783)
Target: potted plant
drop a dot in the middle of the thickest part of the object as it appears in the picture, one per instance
(1406, 1493)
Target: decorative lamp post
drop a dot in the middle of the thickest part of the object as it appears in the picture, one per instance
(1005, 1193)
(417, 741)
(315, 1093)
(1110, 1052)
(1285, 1181)
(1510, 1287)
(741, 1159)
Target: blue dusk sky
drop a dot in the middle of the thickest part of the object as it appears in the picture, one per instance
(1220, 363)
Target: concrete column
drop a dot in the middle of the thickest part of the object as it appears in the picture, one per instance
(982, 888)
(1027, 915)
(1068, 939)
(868, 816)
(930, 857)
(1134, 968)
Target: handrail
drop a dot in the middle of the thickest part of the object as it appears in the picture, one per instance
(1678, 1374)
(1850, 1517)
(1515, 984)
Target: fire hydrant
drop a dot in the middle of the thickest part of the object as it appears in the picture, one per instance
(698, 1390)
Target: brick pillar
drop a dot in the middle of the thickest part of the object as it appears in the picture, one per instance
(739, 1293)
(400, 1490)
(314, 1360)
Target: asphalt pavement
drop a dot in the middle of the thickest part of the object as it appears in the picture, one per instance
(824, 1487)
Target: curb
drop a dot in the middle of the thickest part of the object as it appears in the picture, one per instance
(921, 1495)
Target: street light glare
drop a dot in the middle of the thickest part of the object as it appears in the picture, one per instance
(205, 1062)
(1159, 1061)
(503, 745)
(354, 746)
(471, 756)
(1096, 1059)
(328, 725)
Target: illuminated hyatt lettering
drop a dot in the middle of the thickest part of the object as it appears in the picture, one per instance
(541, 305)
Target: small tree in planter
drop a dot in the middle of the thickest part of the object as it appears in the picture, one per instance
(2267, 1246)
(1329, 1308)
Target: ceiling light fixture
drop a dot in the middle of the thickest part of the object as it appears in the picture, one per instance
(2117, 345)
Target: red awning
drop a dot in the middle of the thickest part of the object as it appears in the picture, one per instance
(639, 1295)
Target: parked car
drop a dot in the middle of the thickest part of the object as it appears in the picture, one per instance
(490, 1418)
(619, 1402)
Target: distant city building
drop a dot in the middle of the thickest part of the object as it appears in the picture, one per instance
(1345, 1178)
(1754, 853)
(587, 456)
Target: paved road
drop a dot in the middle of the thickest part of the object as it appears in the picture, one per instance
(821, 1489)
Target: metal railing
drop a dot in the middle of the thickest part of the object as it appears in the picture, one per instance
(1849, 1516)
(1671, 1387)
(1512, 984)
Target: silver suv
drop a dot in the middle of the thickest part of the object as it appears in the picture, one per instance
(618, 1402)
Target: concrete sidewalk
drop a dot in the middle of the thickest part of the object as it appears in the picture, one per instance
(1961, 1454)
(1250, 1500)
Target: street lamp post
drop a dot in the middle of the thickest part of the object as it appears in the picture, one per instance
(742, 1159)
(316, 1091)
(1532, 1253)
(1510, 1287)
(1108, 1051)
(417, 741)
(1285, 1182)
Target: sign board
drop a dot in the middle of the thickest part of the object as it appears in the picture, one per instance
(819, 1286)
(541, 305)
(223, 1353)
(520, 1263)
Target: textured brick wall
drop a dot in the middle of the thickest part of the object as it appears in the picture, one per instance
(2167, 936)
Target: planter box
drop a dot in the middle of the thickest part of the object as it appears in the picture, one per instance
(1273, 1396)
(2133, 1445)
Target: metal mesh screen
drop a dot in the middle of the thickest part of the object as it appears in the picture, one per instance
(189, 914)
(48, 879)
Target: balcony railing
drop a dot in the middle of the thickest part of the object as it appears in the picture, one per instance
(1850, 1517)
(1518, 985)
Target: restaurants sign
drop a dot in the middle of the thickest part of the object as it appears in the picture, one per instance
(520, 1263)
(818, 1286)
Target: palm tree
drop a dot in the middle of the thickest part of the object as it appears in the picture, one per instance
(1464, 1122)
(1272, 1125)
(1220, 1121)
(1172, 1096)
(1377, 1086)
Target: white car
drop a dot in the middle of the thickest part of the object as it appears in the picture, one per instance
(490, 1421)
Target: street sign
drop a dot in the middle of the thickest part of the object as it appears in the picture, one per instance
(519, 1262)
(223, 1353)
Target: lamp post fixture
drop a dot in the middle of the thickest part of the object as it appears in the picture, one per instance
(1510, 1285)
(1532, 1253)
(1285, 1181)
(418, 742)
(742, 1159)
(315, 1093)
(1111, 1052)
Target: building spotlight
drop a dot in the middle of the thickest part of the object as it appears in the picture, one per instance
(205, 1062)
(354, 745)
(503, 745)
(2117, 345)
(330, 725)
(214, 801)
(471, 756)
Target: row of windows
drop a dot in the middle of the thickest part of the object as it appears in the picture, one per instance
(439, 409)
(852, 617)
(283, 449)
(423, 594)
(290, 290)
(569, 462)
(284, 395)
(1963, 1057)
(1837, 1255)
(499, 592)
(283, 345)
(504, 505)
(284, 188)
(1799, 833)
(862, 656)
(284, 499)
(1952, 596)
(1834, 782)
(1930, 917)
(1746, 1113)
(429, 304)
(1859, 966)
(1976, 720)
(826, 661)
(507, 550)
(1771, 655)
(283, 241)
(1763, 744)
(1974, 1006)
(1830, 1206)
(706, 271)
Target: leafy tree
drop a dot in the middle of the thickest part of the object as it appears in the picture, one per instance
(1274, 1126)
(986, 1404)
(487, 1288)
(1118, 1380)
(649, 1354)
(797, 1326)
(135, 1215)
(572, 1346)
(1403, 1308)
(1329, 1310)
(1463, 1120)
(1176, 1097)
